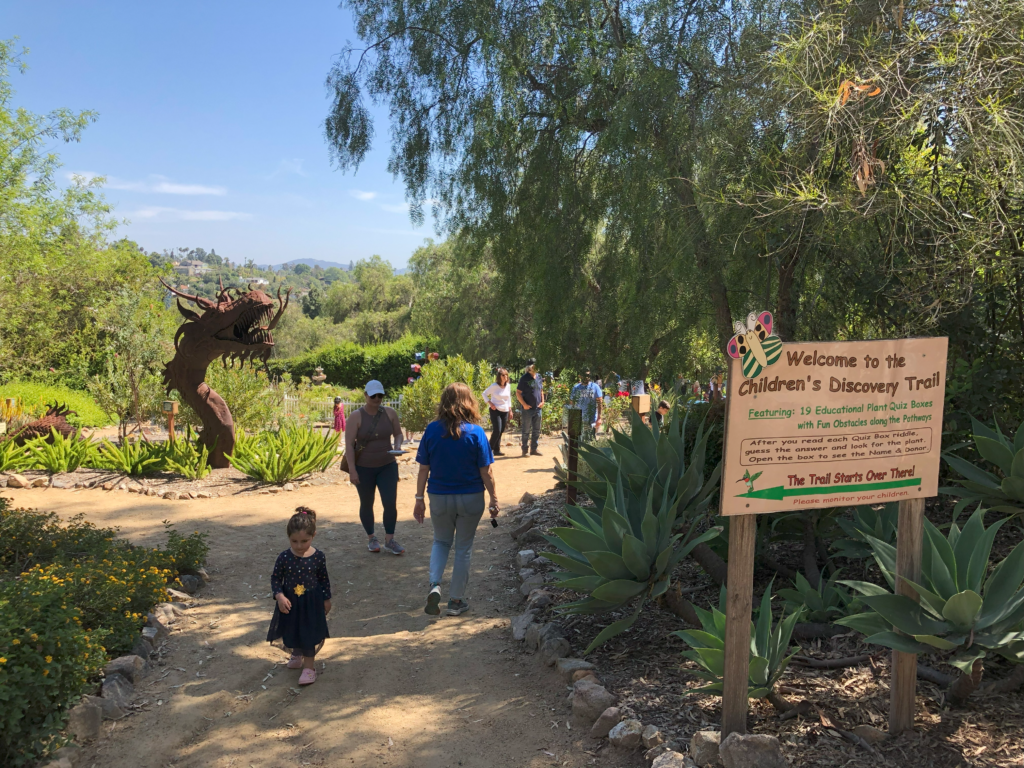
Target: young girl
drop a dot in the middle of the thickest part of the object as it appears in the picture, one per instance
(302, 590)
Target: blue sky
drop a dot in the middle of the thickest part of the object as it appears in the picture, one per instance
(210, 124)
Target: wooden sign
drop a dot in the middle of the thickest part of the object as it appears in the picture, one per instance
(824, 425)
(832, 424)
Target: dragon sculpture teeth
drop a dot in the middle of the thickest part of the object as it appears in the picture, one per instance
(231, 329)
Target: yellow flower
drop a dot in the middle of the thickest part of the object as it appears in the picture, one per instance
(46, 672)
(49, 659)
(16, 641)
(300, 590)
(3, 659)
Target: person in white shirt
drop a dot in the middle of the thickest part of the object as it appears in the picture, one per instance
(498, 397)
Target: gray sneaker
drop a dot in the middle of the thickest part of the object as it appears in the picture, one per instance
(373, 545)
(394, 547)
(433, 606)
(456, 607)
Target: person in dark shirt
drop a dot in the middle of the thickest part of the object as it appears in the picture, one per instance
(530, 395)
(661, 413)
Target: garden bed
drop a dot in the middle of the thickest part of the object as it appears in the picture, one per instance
(657, 686)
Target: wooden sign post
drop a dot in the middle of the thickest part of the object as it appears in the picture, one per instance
(816, 425)
(170, 407)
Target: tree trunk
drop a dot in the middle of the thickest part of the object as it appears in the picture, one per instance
(779, 702)
(711, 563)
(674, 601)
(965, 685)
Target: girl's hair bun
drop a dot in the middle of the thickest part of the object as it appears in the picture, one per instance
(304, 519)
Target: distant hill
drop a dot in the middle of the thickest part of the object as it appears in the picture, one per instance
(310, 262)
(323, 264)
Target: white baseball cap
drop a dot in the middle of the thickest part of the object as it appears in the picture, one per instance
(374, 387)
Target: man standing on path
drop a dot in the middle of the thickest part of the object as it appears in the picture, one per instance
(588, 397)
(530, 395)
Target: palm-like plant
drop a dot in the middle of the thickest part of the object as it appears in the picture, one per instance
(822, 604)
(867, 521)
(1000, 494)
(768, 648)
(964, 608)
(626, 547)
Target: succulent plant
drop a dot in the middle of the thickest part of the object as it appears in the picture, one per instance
(626, 547)
(1000, 494)
(821, 605)
(867, 521)
(768, 648)
(964, 609)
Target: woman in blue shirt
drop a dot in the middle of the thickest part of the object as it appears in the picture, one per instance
(456, 457)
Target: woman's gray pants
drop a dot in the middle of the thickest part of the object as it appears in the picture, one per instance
(455, 517)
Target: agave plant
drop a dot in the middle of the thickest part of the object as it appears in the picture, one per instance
(821, 605)
(58, 453)
(768, 648)
(131, 458)
(13, 457)
(1000, 494)
(276, 457)
(964, 608)
(627, 546)
(867, 521)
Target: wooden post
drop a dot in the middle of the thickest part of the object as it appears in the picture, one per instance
(575, 427)
(739, 595)
(903, 686)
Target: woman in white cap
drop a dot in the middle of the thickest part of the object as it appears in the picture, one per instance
(371, 432)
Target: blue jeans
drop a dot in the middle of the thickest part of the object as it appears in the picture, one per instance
(531, 428)
(385, 480)
(455, 517)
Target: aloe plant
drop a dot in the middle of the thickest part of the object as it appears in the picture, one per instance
(187, 457)
(768, 648)
(867, 521)
(821, 605)
(964, 609)
(58, 453)
(14, 457)
(1000, 494)
(131, 458)
(276, 457)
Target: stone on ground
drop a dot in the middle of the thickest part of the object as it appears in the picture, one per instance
(627, 734)
(554, 648)
(110, 710)
(672, 760)
(17, 481)
(579, 674)
(525, 557)
(536, 581)
(589, 700)
(751, 750)
(40, 482)
(607, 720)
(190, 583)
(118, 690)
(652, 737)
(152, 620)
(527, 498)
(537, 599)
(704, 748)
(85, 720)
(566, 667)
(520, 624)
(131, 668)
(525, 573)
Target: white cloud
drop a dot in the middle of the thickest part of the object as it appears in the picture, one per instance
(358, 194)
(160, 185)
(179, 214)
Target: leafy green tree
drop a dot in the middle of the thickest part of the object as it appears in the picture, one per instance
(313, 302)
(57, 269)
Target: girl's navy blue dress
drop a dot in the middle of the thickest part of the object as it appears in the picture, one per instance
(304, 581)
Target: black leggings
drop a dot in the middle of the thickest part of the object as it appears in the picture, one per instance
(499, 423)
(384, 479)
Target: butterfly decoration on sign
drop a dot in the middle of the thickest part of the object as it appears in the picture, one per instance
(754, 344)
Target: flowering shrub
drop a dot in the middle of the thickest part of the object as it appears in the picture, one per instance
(46, 659)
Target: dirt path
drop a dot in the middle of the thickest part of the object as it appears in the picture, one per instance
(396, 687)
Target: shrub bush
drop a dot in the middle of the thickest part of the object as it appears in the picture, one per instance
(46, 659)
(14, 457)
(254, 402)
(352, 365)
(36, 397)
(71, 595)
(132, 458)
(420, 399)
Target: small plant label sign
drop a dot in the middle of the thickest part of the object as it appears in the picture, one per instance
(829, 424)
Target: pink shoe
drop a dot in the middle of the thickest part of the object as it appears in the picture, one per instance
(294, 662)
(308, 677)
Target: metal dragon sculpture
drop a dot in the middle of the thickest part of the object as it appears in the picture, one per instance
(54, 418)
(231, 329)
